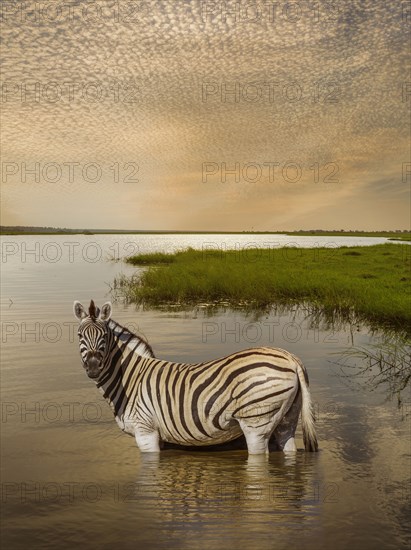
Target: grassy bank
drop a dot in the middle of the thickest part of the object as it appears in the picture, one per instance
(371, 282)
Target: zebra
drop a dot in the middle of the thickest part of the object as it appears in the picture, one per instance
(257, 392)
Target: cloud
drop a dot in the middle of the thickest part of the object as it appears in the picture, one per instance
(175, 85)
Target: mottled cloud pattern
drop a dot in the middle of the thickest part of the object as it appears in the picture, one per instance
(206, 115)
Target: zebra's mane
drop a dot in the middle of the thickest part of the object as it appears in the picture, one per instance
(138, 343)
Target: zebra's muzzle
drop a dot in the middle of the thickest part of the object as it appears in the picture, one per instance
(93, 364)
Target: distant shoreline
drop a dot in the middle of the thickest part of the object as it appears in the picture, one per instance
(392, 235)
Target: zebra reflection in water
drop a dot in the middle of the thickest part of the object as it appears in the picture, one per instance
(233, 501)
(257, 392)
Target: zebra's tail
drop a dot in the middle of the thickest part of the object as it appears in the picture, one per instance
(307, 413)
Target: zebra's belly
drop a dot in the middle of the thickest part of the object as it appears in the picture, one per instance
(230, 432)
(215, 437)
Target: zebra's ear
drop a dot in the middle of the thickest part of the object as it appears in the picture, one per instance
(105, 313)
(79, 311)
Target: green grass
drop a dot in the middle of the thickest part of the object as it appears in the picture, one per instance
(403, 238)
(154, 258)
(371, 282)
(391, 235)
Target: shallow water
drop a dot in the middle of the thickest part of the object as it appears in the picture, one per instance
(71, 477)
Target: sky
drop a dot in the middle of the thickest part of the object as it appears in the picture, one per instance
(199, 115)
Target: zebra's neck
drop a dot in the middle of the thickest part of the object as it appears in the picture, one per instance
(124, 352)
(120, 336)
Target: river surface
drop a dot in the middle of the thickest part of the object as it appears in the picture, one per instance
(72, 479)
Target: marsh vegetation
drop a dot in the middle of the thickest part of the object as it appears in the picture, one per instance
(370, 284)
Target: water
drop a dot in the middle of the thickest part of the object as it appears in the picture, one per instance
(70, 477)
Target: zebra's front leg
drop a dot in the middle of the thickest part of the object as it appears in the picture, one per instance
(147, 441)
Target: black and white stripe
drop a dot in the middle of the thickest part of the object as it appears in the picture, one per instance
(258, 392)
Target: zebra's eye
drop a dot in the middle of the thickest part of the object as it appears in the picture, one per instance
(78, 333)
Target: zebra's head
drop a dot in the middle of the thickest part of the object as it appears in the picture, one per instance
(92, 333)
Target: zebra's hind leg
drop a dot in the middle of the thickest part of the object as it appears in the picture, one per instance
(257, 436)
(284, 433)
(257, 443)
